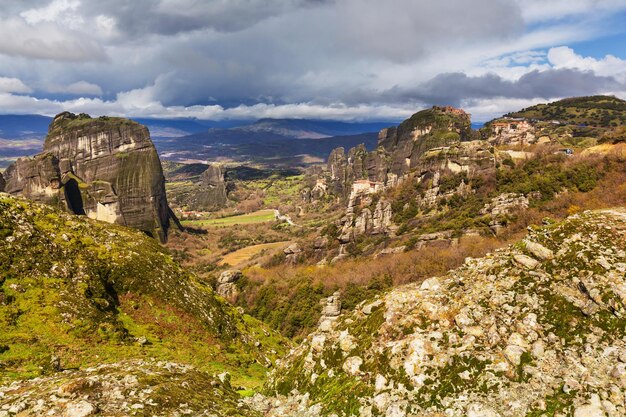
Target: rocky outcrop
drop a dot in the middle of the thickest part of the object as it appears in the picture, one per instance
(105, 168)
(292, 254)
(359, 222)
(536, 328)
(125, 389)
(226, 285)
(211, 194)
(331, 310)
(501, 206)
(505, 204)
(2, 183)
(436, 139)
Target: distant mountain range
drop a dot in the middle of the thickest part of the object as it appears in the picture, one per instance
(270, 142)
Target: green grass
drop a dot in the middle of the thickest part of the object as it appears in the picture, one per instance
(261, 216)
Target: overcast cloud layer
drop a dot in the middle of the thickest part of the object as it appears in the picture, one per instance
(334, 59)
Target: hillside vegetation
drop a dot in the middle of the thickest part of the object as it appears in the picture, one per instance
(287, 297)
(596, 111)
(76, 292)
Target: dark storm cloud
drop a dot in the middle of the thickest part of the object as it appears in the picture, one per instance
(134, 56)
(453, 88)
(170, 17)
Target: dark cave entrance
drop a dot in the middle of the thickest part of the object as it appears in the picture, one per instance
(73, 197)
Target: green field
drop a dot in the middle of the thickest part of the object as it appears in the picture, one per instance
(260, 216)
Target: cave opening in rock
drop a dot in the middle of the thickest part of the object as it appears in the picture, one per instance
(73, 197)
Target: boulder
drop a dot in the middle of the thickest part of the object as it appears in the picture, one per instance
(81, 408)
(292, 253)
(538, 250)
(226, 285)
(106, 168)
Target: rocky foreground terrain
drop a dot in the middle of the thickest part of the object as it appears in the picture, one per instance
(535, 329)
(136, 388)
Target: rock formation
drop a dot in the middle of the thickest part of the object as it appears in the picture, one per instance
(361, 221)
(125, 388)
(430, 144)
(501, 206)
(440, 138)
(2, 183)
(226, 285)
(210, 193)
(292, 253)
(537, 328)
(105, 168)
(331, 309)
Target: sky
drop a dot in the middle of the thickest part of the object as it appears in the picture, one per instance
(323, 59)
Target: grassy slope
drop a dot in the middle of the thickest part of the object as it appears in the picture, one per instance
(85, 291)
(598, 111)
(241, 256)
(260, 216)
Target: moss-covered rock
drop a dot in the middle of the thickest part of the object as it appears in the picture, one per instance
(131, 388)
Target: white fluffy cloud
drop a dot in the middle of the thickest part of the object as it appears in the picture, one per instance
(47, 40)
(57, 11)
(13, 85)
(564, 57)
(543, 10)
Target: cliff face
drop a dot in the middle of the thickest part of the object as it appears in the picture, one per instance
(433, 128)
(105, 168)
(2, 183)
(433, 139)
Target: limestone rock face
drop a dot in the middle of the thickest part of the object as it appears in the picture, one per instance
(105, 168)
(502, 335)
